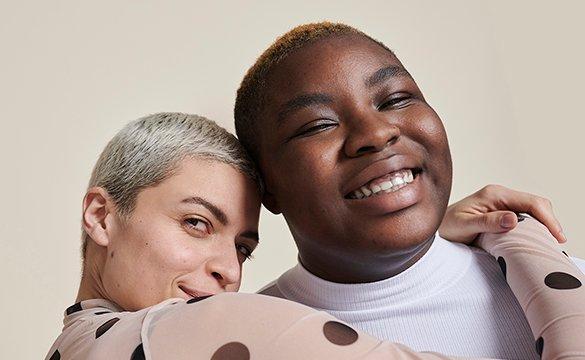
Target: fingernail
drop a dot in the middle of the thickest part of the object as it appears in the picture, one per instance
(520, 217)
(562, 234)
(507, 221)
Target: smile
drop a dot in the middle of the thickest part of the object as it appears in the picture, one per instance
(385, 184)
(194, 293)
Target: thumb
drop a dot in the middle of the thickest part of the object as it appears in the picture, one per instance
(496, 222)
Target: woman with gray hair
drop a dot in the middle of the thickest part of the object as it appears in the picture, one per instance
(170, 216)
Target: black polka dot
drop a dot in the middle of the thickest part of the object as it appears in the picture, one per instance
(539, 345)
(105, 327)
(502, 264)
(73, 308)
(138, 353)
(339, 334)
(56, 355)
(562, 281)
(197, 299)
(232, 351)
(520, 217)
(567, 255)
(102, 312)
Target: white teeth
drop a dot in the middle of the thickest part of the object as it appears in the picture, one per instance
(398, 181)
(386, 185)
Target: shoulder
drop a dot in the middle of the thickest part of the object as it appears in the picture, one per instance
(94, 328)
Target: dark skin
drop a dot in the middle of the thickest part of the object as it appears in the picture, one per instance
(340, 112)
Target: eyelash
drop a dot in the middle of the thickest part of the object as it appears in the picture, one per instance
(316, 128)
(243, 249)
(248, 252)
(396, 101)
(192, 222)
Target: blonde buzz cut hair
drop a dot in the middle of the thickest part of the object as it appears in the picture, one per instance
(147, 151)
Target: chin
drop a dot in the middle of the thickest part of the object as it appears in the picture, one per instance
(402, 233)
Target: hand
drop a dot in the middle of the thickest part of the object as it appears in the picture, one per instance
(492, 210)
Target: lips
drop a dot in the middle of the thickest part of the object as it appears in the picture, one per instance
(378, 170)
(388, 183)
(194, 293)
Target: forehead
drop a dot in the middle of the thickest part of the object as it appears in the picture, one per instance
(327, 64)
(219, 183)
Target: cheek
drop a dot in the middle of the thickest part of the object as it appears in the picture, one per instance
(164, 251)
(233, 287)
(315, 156)
(438, 157)
(308, 193)
(430, 133)
(178, 253)
(428, 126)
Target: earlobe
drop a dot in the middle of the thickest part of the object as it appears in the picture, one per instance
(269, 201)
(96, 208)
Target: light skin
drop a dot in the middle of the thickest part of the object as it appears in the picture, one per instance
(340, 112)
(186, 237)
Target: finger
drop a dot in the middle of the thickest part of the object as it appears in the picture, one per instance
(455, 227)
(543, 212)
(469, 226)
(535, 206)
(495, 222)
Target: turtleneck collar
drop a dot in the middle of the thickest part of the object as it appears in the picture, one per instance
(442, 265)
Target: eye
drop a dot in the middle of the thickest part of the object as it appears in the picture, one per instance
(395, 101)
(315, 127)
(245, 250)
(197, 224)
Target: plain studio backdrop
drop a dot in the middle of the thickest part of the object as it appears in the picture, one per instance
(506, 78)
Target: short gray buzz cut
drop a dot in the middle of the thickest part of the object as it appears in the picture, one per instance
(147, 151)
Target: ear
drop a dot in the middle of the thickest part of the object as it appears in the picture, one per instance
(269, 201)
(97, 206)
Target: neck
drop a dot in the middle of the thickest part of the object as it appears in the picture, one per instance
(349, 268)
(91, 285)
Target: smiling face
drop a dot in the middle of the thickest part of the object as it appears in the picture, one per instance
(353, 156)
(186, 237)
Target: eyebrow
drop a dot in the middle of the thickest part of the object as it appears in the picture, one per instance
(386, 73)
(302, 101)
(216, 211)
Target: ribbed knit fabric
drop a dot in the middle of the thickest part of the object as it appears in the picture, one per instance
(454, 300)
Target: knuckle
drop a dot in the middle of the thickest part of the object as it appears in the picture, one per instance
(484, 221)
(490, 190)
(544, 202)
(540, 204)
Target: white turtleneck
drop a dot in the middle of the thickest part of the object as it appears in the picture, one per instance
(454, 300)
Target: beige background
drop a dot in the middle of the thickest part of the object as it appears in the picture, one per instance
(506, 77)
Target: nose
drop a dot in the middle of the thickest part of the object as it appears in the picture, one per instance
(370, 133)
(224, 265)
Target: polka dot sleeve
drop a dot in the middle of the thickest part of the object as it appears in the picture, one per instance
(547, 284)
(252, 326)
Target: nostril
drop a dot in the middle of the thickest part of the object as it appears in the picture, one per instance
(375, 147)
(365, 149)
(217, 275)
